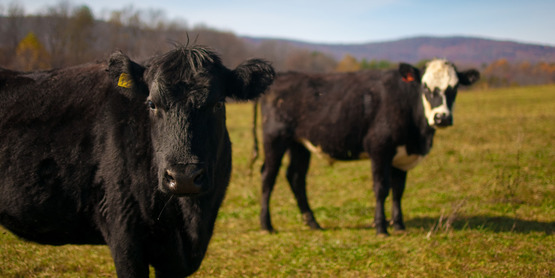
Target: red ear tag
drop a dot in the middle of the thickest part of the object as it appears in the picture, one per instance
(408, 78)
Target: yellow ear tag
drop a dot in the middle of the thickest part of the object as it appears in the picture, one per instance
(125, 81)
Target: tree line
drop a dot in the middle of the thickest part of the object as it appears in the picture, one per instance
(65, 35)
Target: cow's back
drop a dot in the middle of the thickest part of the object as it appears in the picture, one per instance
(334, 112)
(46, 152)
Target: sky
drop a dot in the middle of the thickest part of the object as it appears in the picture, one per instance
(345, 21)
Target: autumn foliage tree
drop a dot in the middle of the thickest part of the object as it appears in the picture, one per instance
(501, 73)
(31, 54)
(348, 63)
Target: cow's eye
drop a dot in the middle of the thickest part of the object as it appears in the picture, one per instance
(150, 105)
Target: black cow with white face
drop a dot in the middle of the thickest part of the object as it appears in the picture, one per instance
(387, 116)
(116, 153)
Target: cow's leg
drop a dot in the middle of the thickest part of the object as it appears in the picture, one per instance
(381, 173)
(127, 266)
(274, 149)
(127, 252)
(169, 256)
(296, 175)
(117, 220)
(398, 179)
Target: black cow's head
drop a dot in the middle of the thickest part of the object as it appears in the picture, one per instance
(439, 85)
(187, 88)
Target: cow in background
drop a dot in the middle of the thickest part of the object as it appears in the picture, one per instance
(389, 117)
(115, 153)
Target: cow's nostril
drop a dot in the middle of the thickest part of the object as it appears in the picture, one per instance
(199, 177)
(185, 180)
(439, 116)
(443, 119)
(172, 183)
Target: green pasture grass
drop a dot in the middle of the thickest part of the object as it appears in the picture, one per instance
(482, 204)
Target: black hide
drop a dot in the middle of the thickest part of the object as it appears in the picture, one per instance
(115, 153)
(345, 116)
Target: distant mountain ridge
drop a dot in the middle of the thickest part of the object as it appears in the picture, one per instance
(462, 50)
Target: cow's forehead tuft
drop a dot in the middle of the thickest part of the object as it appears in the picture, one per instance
(440, 74)
(182, 64)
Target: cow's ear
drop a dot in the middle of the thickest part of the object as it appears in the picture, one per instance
(127, 75)
(251, 79)
(468, 77)
(409, 73)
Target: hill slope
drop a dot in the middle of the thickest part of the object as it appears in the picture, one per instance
(465, 50)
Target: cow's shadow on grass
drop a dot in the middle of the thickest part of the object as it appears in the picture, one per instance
(496, 224)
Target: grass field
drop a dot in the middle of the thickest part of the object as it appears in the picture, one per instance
(482, 204)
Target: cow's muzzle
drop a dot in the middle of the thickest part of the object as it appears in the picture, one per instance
(443, 120)
(188, 179)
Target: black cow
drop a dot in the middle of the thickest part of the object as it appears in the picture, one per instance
(389, 117)
(115, 153)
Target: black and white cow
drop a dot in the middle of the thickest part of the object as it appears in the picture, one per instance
(115, 153)
(387, 116)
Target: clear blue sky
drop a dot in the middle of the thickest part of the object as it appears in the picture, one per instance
(347, 21)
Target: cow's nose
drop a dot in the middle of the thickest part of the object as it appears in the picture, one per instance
(185, 180)
(443, 119)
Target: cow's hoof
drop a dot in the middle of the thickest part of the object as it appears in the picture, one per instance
(399, 232)
(266, 225)
(399, 227)
(314, 225)
(383, 235)
(268, 231)
(309, 220)
(382, 231)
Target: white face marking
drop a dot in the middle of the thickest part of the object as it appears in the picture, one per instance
(439, 74)
(430, 112)
(404, 161)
